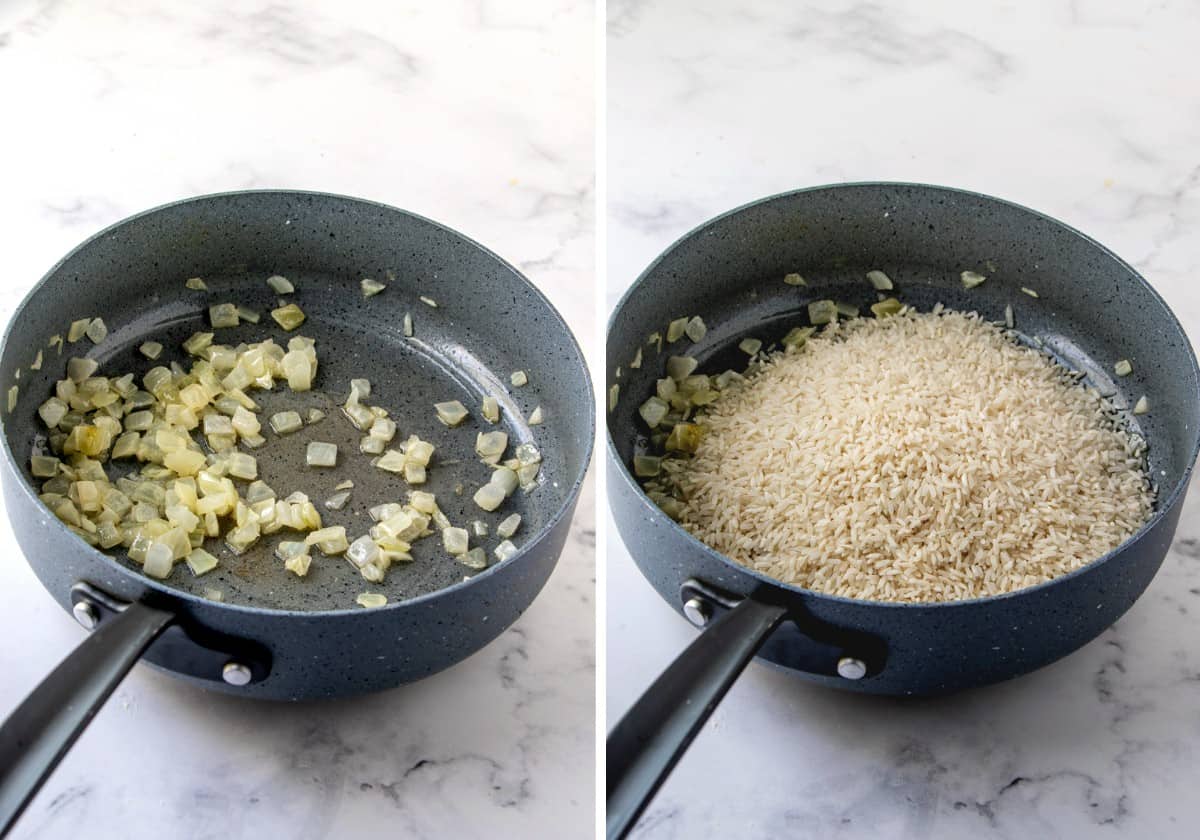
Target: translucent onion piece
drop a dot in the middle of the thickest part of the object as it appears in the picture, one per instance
(80, 369)
(509, 526)
(428, 301)
(971, 279)
(535, 417)
(248, 315)
(474, 559)
(614, 394)
(504, 551)
(794, 279)
(455, 541)
(1009, 321)
(1123, 368)
(286, 422)
(1142, 406)
(289, 317)
(491, 409)
(13, 393)
(797, 337)
(646, 466)
(370, 287)
(676, 329)
(408, 325)
(490, 496)
(298, 565)
(1029, 292)
(223, 315)
(315, 415)
(78, 329)
(37, 361)
(321, 454)
(489, 444)
(750, 346)
(196, 284)
(654, 411)
(371, 599)
(519, 379)
(822, 312)
(680, 366)
(338, 500)
(97, 331)
(880, 281)
(280, 284)
(201, 562)
(159, 561)
(696, 329)
(883, 309)
(451, 413)
(479, 528)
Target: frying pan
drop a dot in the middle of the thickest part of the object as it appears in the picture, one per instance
(1092, 310)
(276, 636)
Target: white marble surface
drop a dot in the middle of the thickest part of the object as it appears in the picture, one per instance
(476, 114)
(1085, 110)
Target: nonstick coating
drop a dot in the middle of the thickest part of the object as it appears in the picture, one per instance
(1092, 310)
(488, 322)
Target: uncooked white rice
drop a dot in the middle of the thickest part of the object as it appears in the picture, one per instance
(918, 458)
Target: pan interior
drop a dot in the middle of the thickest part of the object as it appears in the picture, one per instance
(1091, 309)
(461, 350)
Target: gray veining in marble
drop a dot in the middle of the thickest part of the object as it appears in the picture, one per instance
(1085, 110)
(476, 114)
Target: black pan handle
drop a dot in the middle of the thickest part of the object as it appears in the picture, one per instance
(647, 742)
(38, 734)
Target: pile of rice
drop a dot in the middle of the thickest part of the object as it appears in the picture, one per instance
(918, 458)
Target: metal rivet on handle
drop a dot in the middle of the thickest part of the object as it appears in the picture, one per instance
(851, 669)
(85, 613)
(235, 673)
(697, 611)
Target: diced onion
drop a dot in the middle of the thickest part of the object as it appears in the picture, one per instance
(509, 526)
(750, 346)
(971, 279)
(223, 315)
(286, 422)
(1123, 368)
(822, 312)
(289, 317)
(78, 329)
(474, 559)
(201, 562)
(455, 541)
(794, 279)
(880, 281)
(97, 331)
(321, 454)
(370, 287)
(371, 599)
(504, 551)
(519, 379)
(280, 284)
(451, 413)
(196, 284)
(491, 409)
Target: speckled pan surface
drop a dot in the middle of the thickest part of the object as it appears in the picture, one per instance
(488, 322)
(1092, 310)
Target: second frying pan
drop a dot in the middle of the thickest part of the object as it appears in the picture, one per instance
(273, 635)
(1092, 309)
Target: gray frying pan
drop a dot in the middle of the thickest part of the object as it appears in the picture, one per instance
(1092, 309)
(273, 635)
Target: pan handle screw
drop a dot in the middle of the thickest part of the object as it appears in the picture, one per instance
(235, 673)
(85, 613)
(697, 610)
(851, 669)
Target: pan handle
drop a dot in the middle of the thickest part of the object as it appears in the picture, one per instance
(647, 742)
(38, 734)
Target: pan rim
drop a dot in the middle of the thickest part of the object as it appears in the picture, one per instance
(161, 589)
(1171, 500)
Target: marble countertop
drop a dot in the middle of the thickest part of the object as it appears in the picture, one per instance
(1084, 110)
(476, 114)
